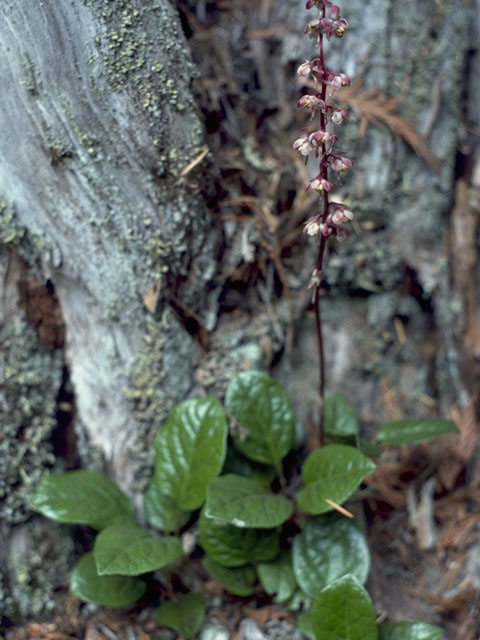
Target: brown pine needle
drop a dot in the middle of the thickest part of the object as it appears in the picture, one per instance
(194, 162)
(340, 509)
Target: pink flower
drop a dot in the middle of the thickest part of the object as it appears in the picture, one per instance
(340, 214)
(310, 102)
(339, 162)
(317, 138)
(319, 184)
(309, 67)
(314, 27)
(337, 80)
(312, 226)
(305, 69)
(303, 144)
(339, 115)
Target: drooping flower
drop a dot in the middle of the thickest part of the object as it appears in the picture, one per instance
(319, 184)
(339, 213)
(303, 145)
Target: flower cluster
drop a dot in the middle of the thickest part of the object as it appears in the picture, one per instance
(320, 143)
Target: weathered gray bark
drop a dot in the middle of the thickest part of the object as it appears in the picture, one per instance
(97, 124)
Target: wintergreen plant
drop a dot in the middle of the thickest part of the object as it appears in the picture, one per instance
(224, 492)
(332, 216)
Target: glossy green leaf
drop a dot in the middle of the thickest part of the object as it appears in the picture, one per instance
(415, 430)
(264, 416)
(108, 591)
(328, 548)
(333, 472)
(232, 546)
(277, 577)
(162, 511)
(343, 611)
(244, 502)
(190, 450)
(238, 581)
(185, 616)
(83, 497)
(409, 630)
(340, 416)
(130, 550)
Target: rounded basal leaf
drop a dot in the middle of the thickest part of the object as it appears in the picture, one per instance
(162, 511)
(237, 581)
(244, 502)
(185, 616)
(190, 450)
(343, 611)
(408, 630)
(130, 550)
(264, 417)
(83, 497)
(232, 546)
(331, 473)
(340, 416)
(277, 577)
(415, 430)
(108, 591)
(328, 548)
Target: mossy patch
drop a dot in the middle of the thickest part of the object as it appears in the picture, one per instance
(30, 376)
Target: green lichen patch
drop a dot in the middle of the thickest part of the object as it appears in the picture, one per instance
(39, 562)
(11, 232)
(131, 44)
(30, 376)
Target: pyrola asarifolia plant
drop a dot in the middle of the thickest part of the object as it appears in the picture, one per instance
(329, 221)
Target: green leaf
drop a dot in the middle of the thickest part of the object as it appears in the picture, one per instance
(190, 450)
(244, 502)
(238, 581)
(83, 497)
(231, 546)
(161, 511)
(407, 630)
(328, 548)
(332, 472)
(343, 611)
(236, 462)
(130, 550)
(185, 616)
(415, 430)
(340, 416)
(277, 577)
(304, 623)
(108, 591)
(264, 416)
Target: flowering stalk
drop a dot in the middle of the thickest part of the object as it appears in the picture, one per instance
(321, 143)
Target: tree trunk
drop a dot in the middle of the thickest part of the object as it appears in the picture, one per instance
(98, 123)
(100, 201)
